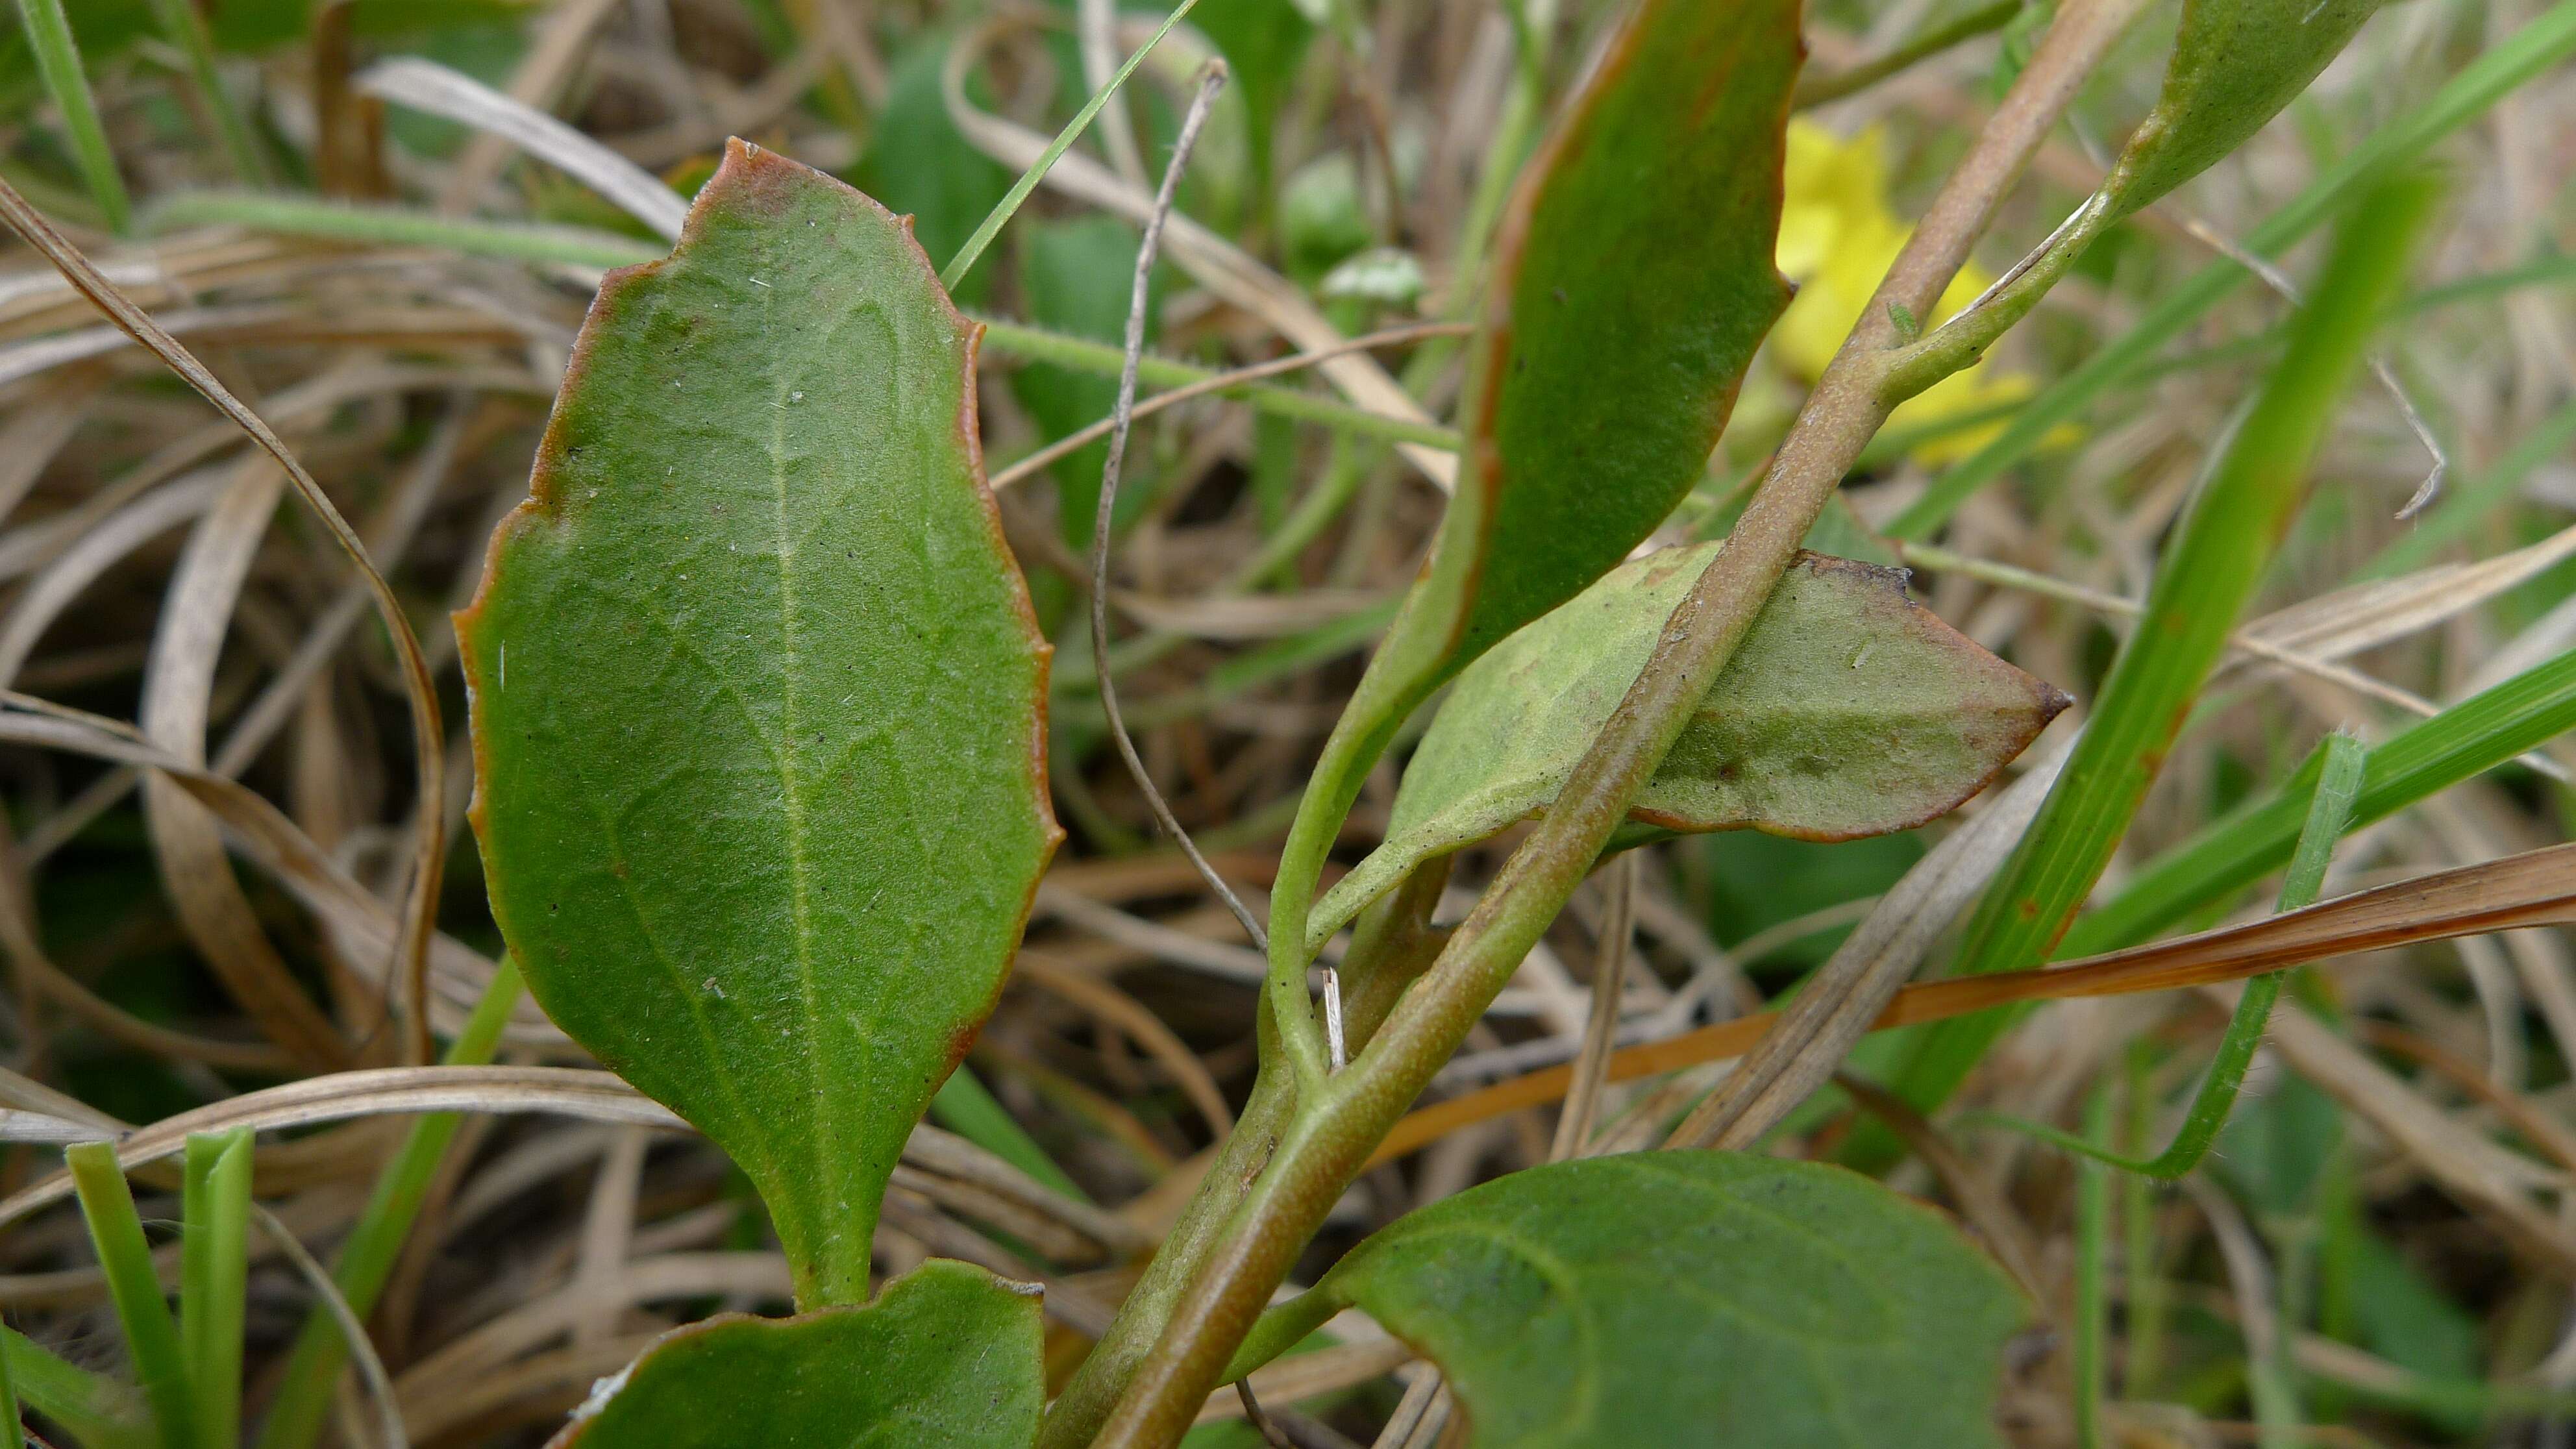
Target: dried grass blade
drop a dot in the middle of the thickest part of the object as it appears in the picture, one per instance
(411, 955)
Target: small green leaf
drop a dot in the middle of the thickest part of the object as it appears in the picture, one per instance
(947, 1357)
(1670, 1298)
(1848, 711)
(2235, 64)
(758, 703)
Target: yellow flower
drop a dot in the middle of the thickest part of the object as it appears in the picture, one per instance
(1837, 240)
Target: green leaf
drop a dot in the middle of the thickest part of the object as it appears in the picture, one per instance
(2235, 64)
(1633, 280)
(1849, 710)
(758, 703)
(1671, 1298)
(947, 1357)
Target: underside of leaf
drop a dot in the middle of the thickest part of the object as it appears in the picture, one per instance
(758, 700)
(1849, 710)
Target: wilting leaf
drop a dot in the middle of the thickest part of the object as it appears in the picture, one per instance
(2236, 63)
(758, 705)
(1670, 1298)
(948, 1357)
(1849, 710)
(1633, 280)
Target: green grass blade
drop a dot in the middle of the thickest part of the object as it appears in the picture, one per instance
(2531, 51)
(97, 1411)
(303, 1402)
(2202, 585)
(150, 1336)
(15, 1421)
(186, 29)
(399, 226)
(2092, 1271)
(582, 247)
(58, 62)
(964, 262)
(2341, 762)
(2467, 739)
(214, 1266)
(966, 1107)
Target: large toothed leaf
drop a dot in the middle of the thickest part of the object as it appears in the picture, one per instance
(2235, 64)
(1633, 280)
(1663, 1299)
(1849, 710)
(758, 703)
(947, 1357)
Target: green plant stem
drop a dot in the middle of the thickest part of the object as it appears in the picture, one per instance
(150, 1337)
(964, 262)
(2531, 51)
(186, 29)
(2092, 1270)
(2200, 589)
(1343, 1118)
(58, 62)
(367, 1258)
(2340, 761)
(1817, 90)
(214, 1267)
(1391, 945)
(99, 1412)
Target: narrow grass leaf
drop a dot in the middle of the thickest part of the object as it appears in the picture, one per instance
(947, 1357)
(2474, 736)
(367, 1256)
(115, 1229)
(214, 1270)
(2338, 785)
(759, 703)
(962, 263)
(1841, 1313)
(97, 1411)
(2202, 585)
(58, 63)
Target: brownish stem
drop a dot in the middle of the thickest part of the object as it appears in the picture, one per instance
(1332, 1136)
